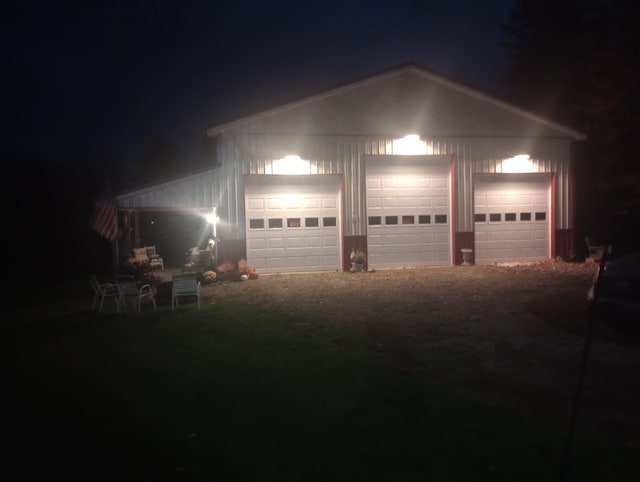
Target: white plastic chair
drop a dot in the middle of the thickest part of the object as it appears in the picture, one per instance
(102, 291)
(184, 285)
(128, 291)
(154, 258)
(594, 251)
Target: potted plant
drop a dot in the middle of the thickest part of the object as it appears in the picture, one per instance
(358, 260)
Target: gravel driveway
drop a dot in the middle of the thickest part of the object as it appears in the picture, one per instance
(527, 321)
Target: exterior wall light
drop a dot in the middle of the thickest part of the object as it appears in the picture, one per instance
(410, 145)
(516, 164)
(291, 165)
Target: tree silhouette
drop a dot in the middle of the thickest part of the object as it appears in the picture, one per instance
(574, 61)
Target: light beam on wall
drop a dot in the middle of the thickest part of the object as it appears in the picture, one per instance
(291, 165)
(410, 145)
(519, 163)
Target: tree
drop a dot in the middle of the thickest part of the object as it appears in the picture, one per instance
(574, 61)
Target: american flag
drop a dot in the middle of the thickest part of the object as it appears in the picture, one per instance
(105, 220)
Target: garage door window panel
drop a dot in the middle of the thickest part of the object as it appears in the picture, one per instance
(311, 222)
(275, 223)
(375, 221)
(391, 220)
(256, 224)
(440, 219)
(424, 219)
(293, 223)
(329, 222)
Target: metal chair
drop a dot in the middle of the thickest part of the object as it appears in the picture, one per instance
(184, 285)
(128, 291)
(102, 291)
(154, 258)
(594, 251)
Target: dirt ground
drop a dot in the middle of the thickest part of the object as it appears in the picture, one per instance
(528, 321)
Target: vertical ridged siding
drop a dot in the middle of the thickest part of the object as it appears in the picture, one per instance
(189, 193)
(242, 154)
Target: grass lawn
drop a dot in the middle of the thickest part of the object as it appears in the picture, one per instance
(233, 393)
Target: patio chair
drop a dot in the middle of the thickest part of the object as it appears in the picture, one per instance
(128, 291)
(594, 251)
(154, 258)
(184, 285)
(102, 291)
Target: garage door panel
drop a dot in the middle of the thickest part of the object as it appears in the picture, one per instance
(312, 242)
(311, 203)
(374, 183)
(390, 202)
(330, 242)
(294, 242)
(275, 243)
(329, 202)
(442, 239)
(480, 201)
(426, 238)
(257, 244)
(374, 202)
(255, 203)
(407, 201)
(440, 201)
(413, 187)
(512, 238)
(400, 182)
(441, 182)
(540, 201)
(275, 203)
(291, 216)
(539, 235)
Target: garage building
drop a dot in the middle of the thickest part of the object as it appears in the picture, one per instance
(405, 165)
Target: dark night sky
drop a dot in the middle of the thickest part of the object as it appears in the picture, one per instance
(99, 82)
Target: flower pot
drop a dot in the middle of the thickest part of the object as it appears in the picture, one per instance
(357, 267)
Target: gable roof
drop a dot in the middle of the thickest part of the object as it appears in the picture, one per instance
(395, 72)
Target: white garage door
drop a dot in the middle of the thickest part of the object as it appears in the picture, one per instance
(408, 211)
(512, 220)
(293, 223)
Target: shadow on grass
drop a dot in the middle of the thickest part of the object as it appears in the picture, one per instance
(231, 392)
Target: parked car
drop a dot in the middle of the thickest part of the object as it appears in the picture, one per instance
(618, 287)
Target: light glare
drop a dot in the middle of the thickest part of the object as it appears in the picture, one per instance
(518, 163)
(291, 165)
(410, 145)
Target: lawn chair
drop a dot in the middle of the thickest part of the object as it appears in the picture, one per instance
(102, 291)
(128, 291)
(594, 251)
(154, 258)
(184, 285)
